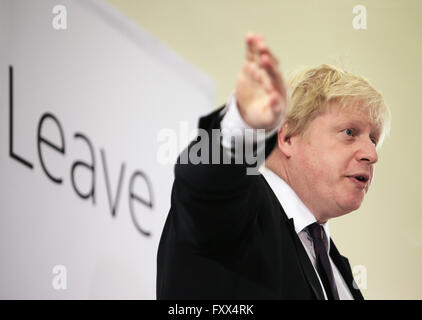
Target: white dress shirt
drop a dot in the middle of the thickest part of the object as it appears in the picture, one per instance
(293, 206)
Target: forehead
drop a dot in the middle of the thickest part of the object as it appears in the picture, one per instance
(354, 115)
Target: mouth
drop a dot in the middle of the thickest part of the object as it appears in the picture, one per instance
(360, 180)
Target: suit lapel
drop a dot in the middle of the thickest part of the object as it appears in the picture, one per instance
(343, 266)
(305, 263)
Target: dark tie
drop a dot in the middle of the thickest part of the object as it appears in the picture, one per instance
(323, 263)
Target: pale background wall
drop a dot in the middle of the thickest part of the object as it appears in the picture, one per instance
(384, 235)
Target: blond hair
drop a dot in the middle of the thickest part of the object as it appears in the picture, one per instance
(313, 89)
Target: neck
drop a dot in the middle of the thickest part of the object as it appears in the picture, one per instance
(276, 162)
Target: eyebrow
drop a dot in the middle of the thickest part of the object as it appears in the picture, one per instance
(357, 122)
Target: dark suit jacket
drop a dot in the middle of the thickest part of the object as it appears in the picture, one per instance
(227, 237)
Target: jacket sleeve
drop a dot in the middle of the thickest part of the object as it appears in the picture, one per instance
(213, 203)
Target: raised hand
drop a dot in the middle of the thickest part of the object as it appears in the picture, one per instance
(261, 92)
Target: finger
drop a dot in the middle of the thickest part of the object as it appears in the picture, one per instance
(274, 74)
(258, 52)
(271, 65)
(274, 101)
(255, 72)
(269, 62)
(249, 46)
(267, 84)
(263, 49)
(252, 72)
(265, 81)
(271, 69)
(252, 51)
(267, 78)
(256, 47)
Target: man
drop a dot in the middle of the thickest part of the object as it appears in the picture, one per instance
(230, 235)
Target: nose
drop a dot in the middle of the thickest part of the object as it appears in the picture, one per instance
(367, 151)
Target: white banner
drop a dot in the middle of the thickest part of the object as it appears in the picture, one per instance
(84, 96)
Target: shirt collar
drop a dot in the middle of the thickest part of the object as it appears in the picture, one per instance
(293, 207)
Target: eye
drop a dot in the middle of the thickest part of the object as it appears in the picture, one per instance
(374, 141)
(349, 132)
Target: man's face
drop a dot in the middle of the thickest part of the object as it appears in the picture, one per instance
(332, 163)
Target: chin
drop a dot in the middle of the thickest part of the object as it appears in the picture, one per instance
(351, 204)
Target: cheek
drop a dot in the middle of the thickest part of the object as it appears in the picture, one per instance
(313, 166)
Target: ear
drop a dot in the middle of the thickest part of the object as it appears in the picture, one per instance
(284, 141)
